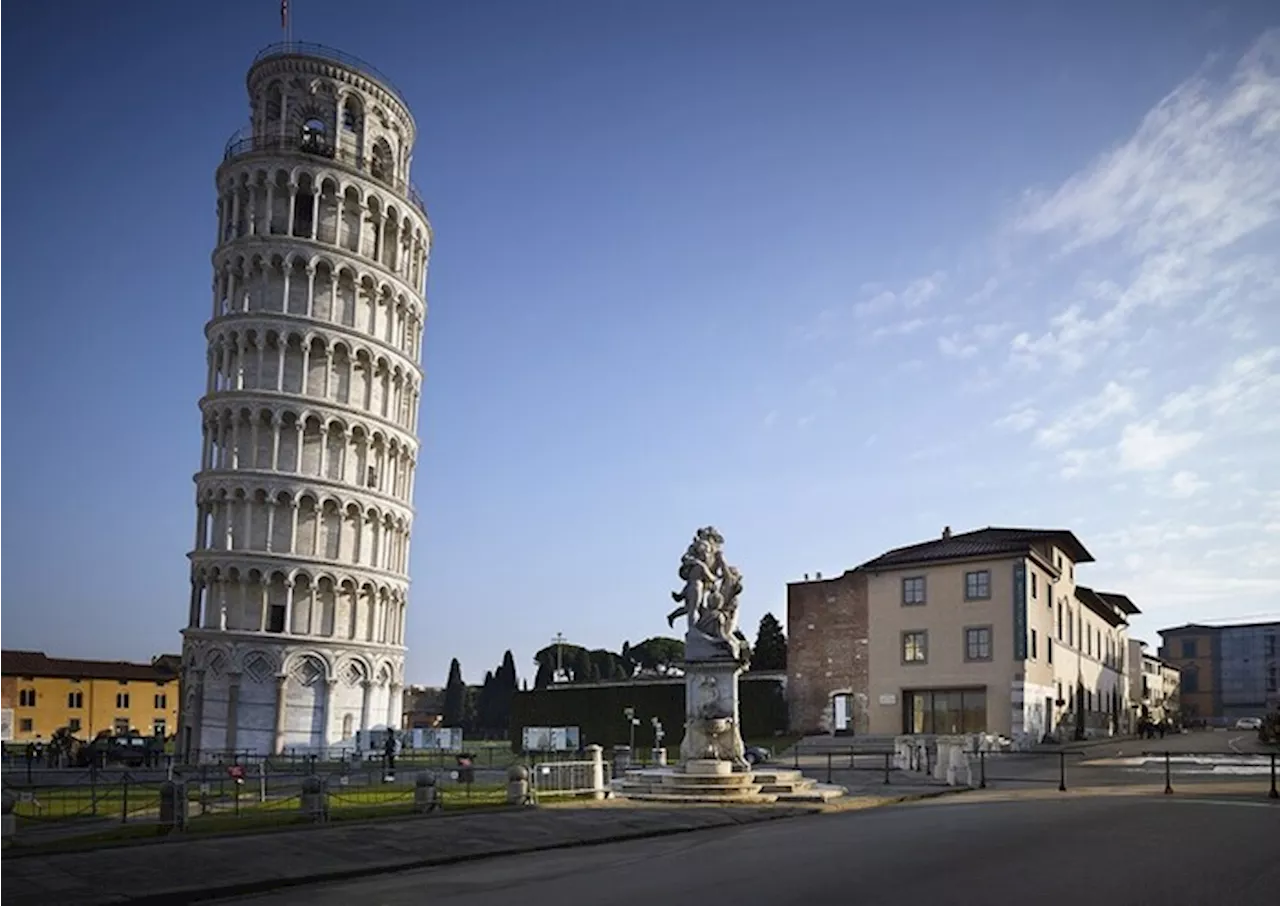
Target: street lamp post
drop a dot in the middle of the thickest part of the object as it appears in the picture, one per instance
(630, 714)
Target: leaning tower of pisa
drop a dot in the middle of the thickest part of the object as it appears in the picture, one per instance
(299, 575)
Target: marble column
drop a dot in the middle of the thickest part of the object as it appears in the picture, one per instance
(278, 745)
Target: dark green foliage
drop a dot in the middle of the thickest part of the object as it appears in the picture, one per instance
(455, 697)
(770, 652)
(597, 710)
(658, 653)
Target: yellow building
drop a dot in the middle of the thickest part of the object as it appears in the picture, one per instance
(41, 695)
(987, 631)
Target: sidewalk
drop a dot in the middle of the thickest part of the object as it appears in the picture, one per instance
(188, 869)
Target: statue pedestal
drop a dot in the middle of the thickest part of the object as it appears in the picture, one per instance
(713, 726)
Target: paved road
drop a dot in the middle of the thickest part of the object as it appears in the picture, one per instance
(1114, 850)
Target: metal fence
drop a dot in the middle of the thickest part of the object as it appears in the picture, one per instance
(70, 802)
(569, 778)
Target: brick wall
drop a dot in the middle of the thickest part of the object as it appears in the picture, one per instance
(826, 650)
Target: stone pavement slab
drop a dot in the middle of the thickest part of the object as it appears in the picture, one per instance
(183, 869)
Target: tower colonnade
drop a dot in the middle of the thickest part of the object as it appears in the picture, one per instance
(296, 625)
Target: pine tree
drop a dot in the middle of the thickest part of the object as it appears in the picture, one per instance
(505, 685)
(770, 651)
(486, 703)
(455, 697)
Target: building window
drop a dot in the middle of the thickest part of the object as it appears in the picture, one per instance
(1059, 621)
(157, 727)
(25, 725)
(1034, 654)
(75, 699)
(913, 590)
(1035, 588)
(1188, 647)
(161, 701)
(1270, 642)
(1190, 681)
(122, 700)
(122, 725)
(74, 725)
(1048, 648)
(977, 643)
(1273, 679)
(1088, 697)
(26, 698)
(944, 711)
(915, 647)
(977, 585)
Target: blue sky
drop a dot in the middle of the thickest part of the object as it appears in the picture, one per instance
(826, 275)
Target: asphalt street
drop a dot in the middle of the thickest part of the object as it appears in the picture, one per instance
(1119, 850)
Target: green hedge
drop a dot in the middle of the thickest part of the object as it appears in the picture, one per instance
(597, 710)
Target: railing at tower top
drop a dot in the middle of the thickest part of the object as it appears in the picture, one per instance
(321, 52)
(241, 144)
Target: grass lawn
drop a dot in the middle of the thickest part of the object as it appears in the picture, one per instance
(253, 816)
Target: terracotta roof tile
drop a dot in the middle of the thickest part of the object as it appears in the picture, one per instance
(37, 663)
(984, 542)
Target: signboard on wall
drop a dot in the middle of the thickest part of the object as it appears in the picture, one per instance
(438, 739)
(1020, 611)
(551, 739)
(6, 725)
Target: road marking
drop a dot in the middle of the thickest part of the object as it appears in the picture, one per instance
(1222, 802)
(1231, 744)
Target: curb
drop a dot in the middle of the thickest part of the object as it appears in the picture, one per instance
(266, 885)
(835, 809)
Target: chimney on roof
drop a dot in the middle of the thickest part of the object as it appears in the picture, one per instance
(819, 575)
(806, 577)
(946, 532)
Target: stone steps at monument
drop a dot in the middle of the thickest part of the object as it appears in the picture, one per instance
(785, 785)
(816, 792)
(697, 799)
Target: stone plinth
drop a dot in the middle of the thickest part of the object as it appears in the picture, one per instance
(712, 722)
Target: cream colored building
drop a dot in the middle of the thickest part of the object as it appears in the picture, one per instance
(1154, 687)
(987, 631)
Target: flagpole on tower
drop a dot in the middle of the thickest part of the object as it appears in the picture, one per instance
(285, 28)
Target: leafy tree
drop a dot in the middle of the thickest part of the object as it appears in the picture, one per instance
(607, 665)
(770, 652)
(455, 697)
(658, 653)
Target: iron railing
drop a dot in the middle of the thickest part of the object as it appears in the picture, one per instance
(240, 145)
(332, 55)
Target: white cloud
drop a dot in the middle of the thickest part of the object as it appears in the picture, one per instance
(1144, 446)
(901, 328)
(956, 348)
(1247, 386)
(1021, 418)
(909, 298)
(1186, 483)
(1087, 415)
(1176, 201)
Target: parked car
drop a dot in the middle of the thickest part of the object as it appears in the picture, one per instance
(757, 755)
(1249, 723)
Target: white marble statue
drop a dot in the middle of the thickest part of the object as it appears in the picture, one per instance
(709, 599)
(698, 570)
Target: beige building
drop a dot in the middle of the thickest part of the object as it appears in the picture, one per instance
(987, 631)
(1154, 687)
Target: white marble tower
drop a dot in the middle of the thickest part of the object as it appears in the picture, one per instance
(299, 576)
